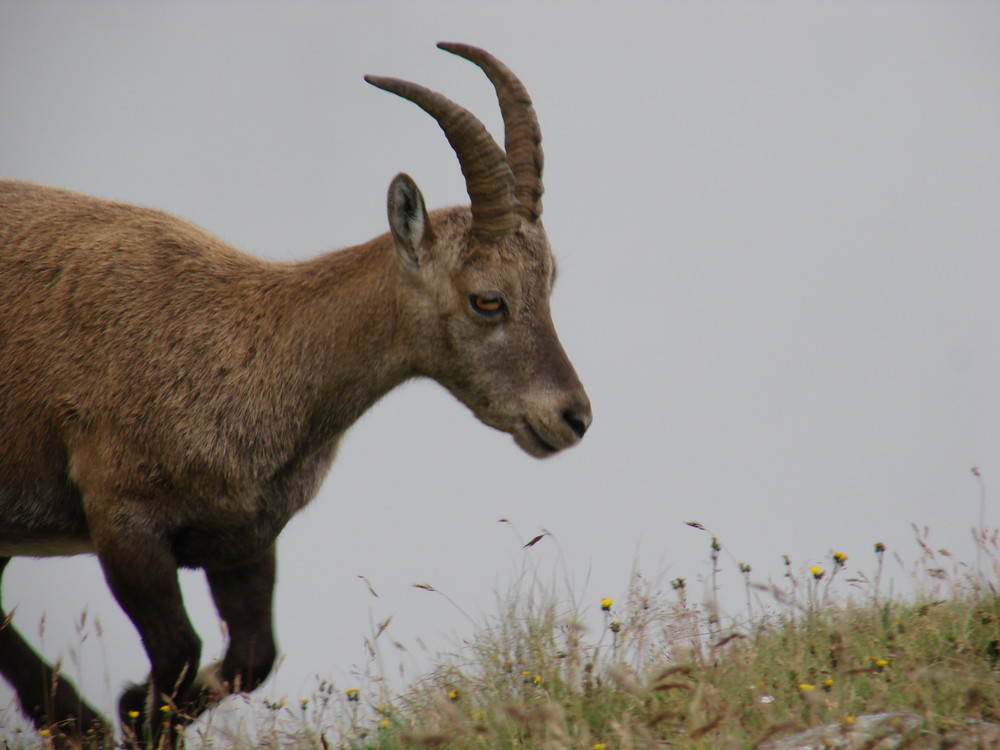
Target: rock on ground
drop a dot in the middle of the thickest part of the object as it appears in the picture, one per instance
(889, 731)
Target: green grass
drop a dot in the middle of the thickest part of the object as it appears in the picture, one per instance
(654, 669)
(664, 672)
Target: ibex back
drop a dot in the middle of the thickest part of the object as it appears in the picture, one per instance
(169, 401)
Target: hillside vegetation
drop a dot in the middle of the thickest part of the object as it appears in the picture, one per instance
(666, 672)
(821, 648)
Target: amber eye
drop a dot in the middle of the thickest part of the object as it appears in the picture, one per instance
(490, 305)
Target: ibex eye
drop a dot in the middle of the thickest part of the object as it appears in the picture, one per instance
(490, 305)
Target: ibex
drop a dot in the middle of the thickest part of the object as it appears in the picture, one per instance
(167, 401)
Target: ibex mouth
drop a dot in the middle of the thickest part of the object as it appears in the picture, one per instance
(535, 444)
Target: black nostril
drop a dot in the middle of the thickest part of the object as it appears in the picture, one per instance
(577, 422)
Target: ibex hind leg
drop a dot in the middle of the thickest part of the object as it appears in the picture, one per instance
(46, 697)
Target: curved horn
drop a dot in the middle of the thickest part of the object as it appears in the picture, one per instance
(522, 135)
(488, 178)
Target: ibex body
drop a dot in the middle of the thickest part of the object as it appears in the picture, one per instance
(167, 401)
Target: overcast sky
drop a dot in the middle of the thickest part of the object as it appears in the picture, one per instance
(777, 226)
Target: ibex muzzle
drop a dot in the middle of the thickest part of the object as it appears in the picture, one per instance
(168, 401)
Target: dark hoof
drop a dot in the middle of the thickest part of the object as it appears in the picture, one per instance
(132, 705)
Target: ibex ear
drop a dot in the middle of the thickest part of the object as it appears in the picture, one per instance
(407, 219)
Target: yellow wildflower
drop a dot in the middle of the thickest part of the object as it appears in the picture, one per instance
(133, 714)
(817, 572)
(600, 746)
(353, 694)
(839, 558)
(453, 694)
(606, 604)
(44, 732)
(805, 687)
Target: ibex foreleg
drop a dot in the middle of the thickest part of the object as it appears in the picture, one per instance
(243, 596)
(141, 572)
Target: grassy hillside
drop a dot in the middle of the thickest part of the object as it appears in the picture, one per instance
(821, 648)
(666, 672)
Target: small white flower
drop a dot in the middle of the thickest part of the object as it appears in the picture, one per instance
(767, 699)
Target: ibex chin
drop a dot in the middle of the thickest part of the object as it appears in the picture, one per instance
(167, 401)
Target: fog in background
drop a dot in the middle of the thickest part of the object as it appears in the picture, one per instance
(777, 226)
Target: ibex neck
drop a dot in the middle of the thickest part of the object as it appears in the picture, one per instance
(345, 350)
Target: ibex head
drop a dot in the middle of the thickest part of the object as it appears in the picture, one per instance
(477, 280)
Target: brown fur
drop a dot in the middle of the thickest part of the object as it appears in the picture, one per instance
(170, 401)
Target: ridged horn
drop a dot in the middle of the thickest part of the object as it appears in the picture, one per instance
(522, 135)
(488, 178)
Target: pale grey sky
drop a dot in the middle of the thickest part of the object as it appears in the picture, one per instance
(777, 226)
